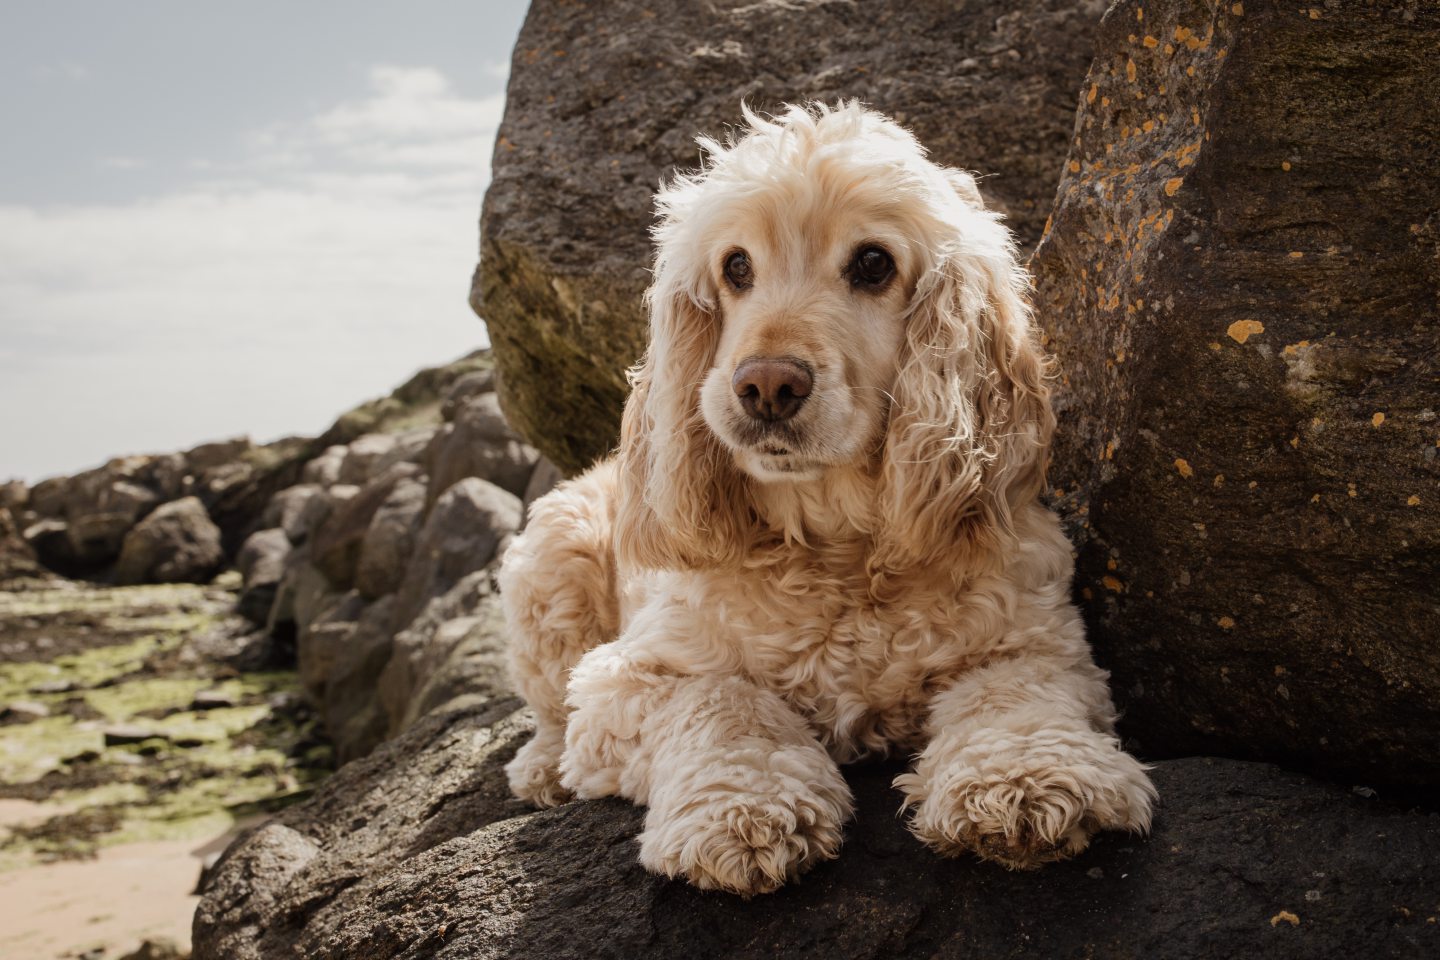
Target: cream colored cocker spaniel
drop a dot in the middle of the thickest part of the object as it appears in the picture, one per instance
(820, 539)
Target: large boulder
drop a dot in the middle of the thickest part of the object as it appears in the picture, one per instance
(177, 543)
(606, 99)
(418, 851)
(1241, 283)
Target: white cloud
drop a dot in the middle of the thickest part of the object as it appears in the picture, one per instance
(278, 290)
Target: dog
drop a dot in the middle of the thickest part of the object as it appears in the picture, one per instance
(821, 537)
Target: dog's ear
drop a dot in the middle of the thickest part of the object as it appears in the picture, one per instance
(682, 504)
(970, 423)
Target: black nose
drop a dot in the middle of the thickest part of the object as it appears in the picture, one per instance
(771, 389)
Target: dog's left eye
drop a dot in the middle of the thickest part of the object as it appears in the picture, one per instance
(872, 267)
(738, 270)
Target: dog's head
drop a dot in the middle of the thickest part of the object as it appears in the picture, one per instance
(826, 298)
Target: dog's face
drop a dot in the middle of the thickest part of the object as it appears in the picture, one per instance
(827, 297)
(814, 284)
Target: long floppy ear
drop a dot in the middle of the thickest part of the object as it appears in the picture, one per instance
(682, 503)
(970, 423)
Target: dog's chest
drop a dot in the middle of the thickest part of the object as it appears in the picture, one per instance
(862, 673)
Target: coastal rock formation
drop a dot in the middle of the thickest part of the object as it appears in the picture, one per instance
(605, 100)
(1240, 282)
(419, 851)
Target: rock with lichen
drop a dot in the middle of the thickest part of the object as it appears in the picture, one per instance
(1240, 281)
(606, 99)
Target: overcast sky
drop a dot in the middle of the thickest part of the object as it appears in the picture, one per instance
(239, 218)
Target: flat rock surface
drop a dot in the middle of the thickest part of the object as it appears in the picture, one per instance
(417, 851)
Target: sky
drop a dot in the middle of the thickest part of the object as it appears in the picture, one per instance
(225, 219)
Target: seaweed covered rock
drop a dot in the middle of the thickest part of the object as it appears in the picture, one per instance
(1240, 281)
(606, 99)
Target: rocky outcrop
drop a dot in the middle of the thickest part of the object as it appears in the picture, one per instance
(606, 99)
(177, 543)
(1241, 282)
(77, 525)
(419, 851)
(378, 562)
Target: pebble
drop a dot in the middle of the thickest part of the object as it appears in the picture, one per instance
(123, 733)
(212, 700)
(23, 711)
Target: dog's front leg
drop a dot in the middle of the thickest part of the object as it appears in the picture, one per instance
(742, 796)
(1023, 765)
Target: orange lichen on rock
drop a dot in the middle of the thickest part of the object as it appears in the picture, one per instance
(1378, 419)
(1184, 467)
(1242, 330)
(1226, 623)
(1172, 185)
(1113, 585)
(1285, 916)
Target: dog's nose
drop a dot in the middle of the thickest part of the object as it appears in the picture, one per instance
(771, 389)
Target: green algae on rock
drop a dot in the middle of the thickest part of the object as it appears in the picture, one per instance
(182, 768)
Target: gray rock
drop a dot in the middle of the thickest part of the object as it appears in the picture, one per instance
(337, 543)
(14, 495)
(461, 535)
(220, 453)
(1241, 285)
(325, 469)
(23, 711)
(298, 510)
(542, 480)
(17, 555)
(176, 543)
(606, 99)
(213, 700)
(452, 651)
(465, 387)
(479, 443)
(120, 734)
(354, 718)
(390, 540)
(303, 594)
(362, 455)
(261, 562)
(321, 640)
(417, 851)
(409, 447)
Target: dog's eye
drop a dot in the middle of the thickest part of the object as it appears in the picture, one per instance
(872, 267)
(737, 270)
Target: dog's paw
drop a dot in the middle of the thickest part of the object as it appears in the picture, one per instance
(743, 843)
(534, 774)
(1035, 801)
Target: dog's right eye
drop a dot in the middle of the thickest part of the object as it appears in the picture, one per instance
(737, 270)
